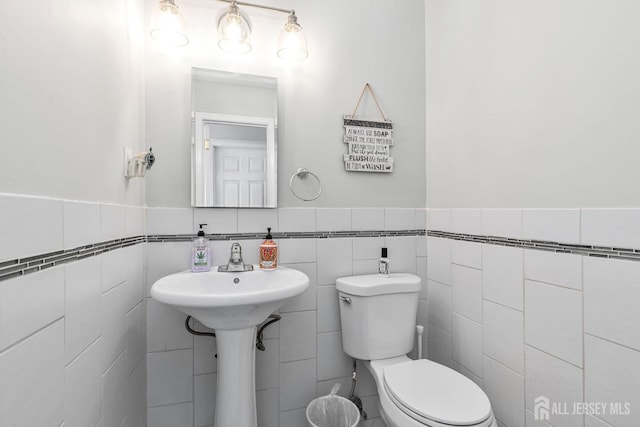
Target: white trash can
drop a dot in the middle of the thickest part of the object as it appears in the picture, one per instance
(332, 411)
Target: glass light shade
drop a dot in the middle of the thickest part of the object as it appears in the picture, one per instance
(292, 43)
(168, 24)
(234, 31)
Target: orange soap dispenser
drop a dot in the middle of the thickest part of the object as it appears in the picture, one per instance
(268, 252)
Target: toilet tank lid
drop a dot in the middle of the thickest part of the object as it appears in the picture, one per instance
(375, 284)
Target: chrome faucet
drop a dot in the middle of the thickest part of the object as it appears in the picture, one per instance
(236, 264)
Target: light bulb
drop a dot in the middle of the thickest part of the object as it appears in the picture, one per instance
(292, 43)
(168, 24)
(234, 31)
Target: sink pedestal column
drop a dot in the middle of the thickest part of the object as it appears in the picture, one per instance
(236, 390)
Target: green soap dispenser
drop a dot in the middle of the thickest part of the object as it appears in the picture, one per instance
(200, 254)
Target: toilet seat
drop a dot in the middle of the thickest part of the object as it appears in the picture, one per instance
(431, 393)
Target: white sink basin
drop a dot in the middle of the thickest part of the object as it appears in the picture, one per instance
(230, 300)
(233, 304)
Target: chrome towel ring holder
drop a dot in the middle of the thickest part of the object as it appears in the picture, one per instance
(302, 173)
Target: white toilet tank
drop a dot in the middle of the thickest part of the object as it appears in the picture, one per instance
(378, 314)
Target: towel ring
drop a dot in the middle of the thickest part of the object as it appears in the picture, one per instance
(302, 173)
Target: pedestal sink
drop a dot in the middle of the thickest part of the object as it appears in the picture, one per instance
(233, 304)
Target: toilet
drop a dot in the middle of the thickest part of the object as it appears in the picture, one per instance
(378, 317)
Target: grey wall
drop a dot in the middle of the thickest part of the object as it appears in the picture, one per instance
(72, 98)
(532, 104)
(346, 50)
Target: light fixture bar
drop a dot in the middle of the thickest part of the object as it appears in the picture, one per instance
(277, 9)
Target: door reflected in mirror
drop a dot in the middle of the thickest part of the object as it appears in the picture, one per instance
(234, 153)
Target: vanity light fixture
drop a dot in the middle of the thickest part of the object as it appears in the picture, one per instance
(234, 29)
(168, 24)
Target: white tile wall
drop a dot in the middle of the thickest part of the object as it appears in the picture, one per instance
(452, 310)
(171, 415)
(82, 302)
(81, 223)
(114, 392)
(503, 329)
(553, 320)
(558, 225)
(328, 309)
(466, 221)
(611, 227)
(33, 383)
(29, 226)
(298, 336)
(505, 389)
(165, 328)
(612, 374)
(555, 268)
(555, 379)
(30, 303)
(297, 219)
(335, 259)
(296, 250)
(399, 219)
(439, 260)
(467, 344)
(297, 384)
(367, 219)
(257, 220)
(267, 407)
(466, 253)
(439, 305)
(83, 387)
(467, 292)
(65, 331)
(169, 220)
(112, 221)
(268, 365)
(502, 222)
(204, 392)
(502, 276)
(217, 220)
(611, 295)
(332, 361)
(170, 377)
(440, 345)
(439, 219)
(329, 219)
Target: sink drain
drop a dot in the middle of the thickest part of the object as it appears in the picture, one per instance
(236, 280)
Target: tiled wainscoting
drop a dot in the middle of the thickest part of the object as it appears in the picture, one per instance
(525, 322)
(303, 357)
(72, 344)
(527, 303)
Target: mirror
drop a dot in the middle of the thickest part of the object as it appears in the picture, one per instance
(233, 143)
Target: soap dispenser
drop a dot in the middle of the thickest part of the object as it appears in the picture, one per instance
(268, 252)
(200, 254)
(383, 264)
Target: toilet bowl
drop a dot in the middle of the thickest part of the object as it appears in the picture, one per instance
(378, 319)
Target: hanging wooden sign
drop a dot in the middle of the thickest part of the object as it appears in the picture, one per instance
(368, 140)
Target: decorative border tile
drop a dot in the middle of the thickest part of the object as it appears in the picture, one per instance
(566, 248)
(22, 266)
(287, 235)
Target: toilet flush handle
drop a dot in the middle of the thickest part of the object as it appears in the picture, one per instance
(345, 299)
